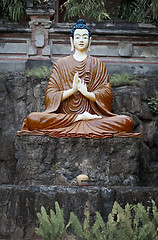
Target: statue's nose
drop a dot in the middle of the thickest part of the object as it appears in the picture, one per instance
(81, 39)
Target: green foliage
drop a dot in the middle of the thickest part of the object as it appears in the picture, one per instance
(99, 228)
(41, 72)
(154, 7)
(13, 9)
(135, 10)
(83, 233)
(96, 232)
(134, 222)
(122, 79)
(139, 10)
(153, 105)
(94, 9)
(40, 1)
(51, 227)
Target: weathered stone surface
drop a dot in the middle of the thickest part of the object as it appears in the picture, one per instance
(134, 195)
(125, 49)
(20, 204)
(11, 48)
(46, 51)
(125, 66)
(39, 37)
(134, 100)
(45, 160)
(12, 66)
(32, 50)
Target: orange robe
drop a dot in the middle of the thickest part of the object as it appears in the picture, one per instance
(59, 116)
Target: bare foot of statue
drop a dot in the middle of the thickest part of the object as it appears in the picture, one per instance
(87, 116)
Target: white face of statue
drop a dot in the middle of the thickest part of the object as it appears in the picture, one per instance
(81, 39)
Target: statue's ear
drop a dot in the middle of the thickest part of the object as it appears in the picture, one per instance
(89, 44)
(72, 44)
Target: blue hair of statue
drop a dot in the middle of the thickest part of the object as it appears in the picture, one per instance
(81, 24)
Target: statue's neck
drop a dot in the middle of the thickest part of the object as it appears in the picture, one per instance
(80, 56)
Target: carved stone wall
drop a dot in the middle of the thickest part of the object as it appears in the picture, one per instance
(124, 47)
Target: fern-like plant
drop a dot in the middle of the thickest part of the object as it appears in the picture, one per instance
(99, 228)
(96, 232)
(51, 227)
(84, 232)
(134, 222)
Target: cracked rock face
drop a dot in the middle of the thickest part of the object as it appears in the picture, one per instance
(50, 161)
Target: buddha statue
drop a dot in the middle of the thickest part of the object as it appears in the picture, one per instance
(79, 96)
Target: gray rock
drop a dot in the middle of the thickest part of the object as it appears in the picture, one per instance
(125, 49)
(39, 37)
(46, 51)
(32, 50)
(45, 160)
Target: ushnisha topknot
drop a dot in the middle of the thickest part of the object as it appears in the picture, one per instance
(81, 24)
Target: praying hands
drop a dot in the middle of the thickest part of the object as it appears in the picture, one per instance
(79, 85)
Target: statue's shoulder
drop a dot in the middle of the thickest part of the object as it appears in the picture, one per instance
(63, 60)
(96, 61)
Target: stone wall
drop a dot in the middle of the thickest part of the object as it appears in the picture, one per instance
(42, 160)
(124, 47)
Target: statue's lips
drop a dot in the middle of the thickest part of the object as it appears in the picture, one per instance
(81, 44)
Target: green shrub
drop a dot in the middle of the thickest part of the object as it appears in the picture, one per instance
(134, 222)
(139, 10)
(153, 105)
(15, 9)
(12, 9)
(41, 72)
(122, 80)
(94, 9)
